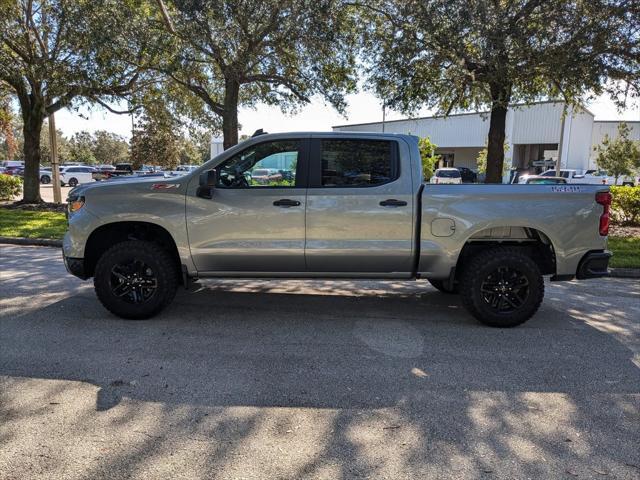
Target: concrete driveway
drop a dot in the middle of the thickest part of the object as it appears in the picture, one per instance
(313, 379)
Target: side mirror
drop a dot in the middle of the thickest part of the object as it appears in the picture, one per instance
(208, 181)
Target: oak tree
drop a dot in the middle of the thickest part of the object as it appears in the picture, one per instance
(232, 53)
(473, 54)
(56, 52)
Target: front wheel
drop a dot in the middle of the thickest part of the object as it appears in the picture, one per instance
(502, 287)
(135, 279)
(73, 182)
(45, 179)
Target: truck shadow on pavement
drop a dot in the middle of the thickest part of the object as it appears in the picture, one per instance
(387, 361)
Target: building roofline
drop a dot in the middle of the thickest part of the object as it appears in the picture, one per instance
(616, 121)
(483, 112)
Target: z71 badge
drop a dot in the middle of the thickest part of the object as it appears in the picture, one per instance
(164, 186)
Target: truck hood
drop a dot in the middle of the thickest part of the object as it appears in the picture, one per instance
(129, 185)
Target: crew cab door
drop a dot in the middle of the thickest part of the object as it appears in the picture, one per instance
(253, 224)
(359, 206)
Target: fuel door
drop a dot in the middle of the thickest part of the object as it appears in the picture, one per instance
(443, 227)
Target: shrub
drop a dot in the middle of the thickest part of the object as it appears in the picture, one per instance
(9, 187)
(625, 206)
(428, 157)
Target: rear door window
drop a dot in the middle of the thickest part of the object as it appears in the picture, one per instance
(356, 163)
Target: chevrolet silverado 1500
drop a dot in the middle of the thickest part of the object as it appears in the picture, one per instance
(354, 206)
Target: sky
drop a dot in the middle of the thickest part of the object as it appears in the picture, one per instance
(316, 116)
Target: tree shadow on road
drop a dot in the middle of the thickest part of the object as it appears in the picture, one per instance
(382, 379)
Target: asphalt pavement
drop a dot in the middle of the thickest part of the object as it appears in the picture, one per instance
(244, 379)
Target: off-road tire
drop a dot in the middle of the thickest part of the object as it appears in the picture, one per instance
(478, 271)
(153, 255)
(440, 285)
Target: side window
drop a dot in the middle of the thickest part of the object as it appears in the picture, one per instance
(268, 164)
(358, 163)
(72, 170)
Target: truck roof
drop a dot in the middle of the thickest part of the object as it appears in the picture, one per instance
(329, 134)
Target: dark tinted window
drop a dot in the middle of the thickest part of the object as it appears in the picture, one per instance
(356, 163)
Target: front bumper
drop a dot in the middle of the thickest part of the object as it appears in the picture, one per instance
(75, 266)
(594, 265)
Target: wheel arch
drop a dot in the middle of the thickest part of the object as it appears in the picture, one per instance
(107, 235)
(538, 244)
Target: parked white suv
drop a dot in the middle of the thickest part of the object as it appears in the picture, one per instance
(446, 175)
(75, 175)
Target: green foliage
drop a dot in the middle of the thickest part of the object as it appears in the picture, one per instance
(625, 206)
(10, 187)
(230, 54)
(45, 146)
(81, 148)
(476, 54)
(110, 148)
(32, 224)
(428, 156)
(8, 146)
(195, 148)
(57, 52)
(156, 139)
(620, 156)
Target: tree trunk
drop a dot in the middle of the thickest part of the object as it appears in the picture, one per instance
(230, 116)
(500, 97)
(31, 130)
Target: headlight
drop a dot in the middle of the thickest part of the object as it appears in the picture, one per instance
(75, 203)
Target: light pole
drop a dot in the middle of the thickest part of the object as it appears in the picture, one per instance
(55, 171)
(384, 114)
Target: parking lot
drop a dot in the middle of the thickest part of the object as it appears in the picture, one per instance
(46, 192)
(313, 379)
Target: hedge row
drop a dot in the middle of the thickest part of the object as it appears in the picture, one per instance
(625, 207)
(9, 187)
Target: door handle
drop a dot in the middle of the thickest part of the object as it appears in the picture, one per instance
(392, 202)
(286, 203)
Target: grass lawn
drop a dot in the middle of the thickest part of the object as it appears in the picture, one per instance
(626, 252)
(32, 224)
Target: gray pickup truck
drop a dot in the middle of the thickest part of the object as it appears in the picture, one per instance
(342, 205)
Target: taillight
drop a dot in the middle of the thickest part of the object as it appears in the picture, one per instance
(604, 199)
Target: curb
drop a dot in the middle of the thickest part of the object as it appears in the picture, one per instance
(39, 242)
(624, 272)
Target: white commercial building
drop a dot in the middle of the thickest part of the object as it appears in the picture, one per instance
(533, 135)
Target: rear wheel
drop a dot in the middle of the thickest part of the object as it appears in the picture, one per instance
(443, 286)
(502, 287)
(135, 279)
